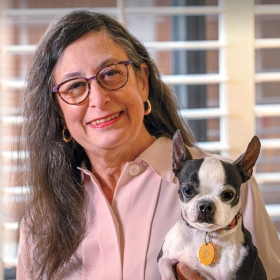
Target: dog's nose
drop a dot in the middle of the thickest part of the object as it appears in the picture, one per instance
(206, 207)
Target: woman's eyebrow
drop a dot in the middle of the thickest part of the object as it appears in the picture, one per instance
(101, 65)
(108, 61)
(72, 75)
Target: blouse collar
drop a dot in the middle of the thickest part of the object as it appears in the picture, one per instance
(159, 157)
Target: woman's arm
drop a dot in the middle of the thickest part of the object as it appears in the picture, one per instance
(21, 265)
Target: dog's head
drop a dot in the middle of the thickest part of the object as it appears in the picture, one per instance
(210, 188)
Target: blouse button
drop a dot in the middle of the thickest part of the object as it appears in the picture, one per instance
(145, 163)
(134, 170)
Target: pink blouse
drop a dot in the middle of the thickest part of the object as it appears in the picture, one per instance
(123, 239)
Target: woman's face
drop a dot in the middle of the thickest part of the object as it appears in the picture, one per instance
(107, 118)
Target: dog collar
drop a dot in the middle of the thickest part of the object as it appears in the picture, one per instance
(234, 221)
(231, 225)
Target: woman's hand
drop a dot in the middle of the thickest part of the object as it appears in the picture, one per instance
(185, 273)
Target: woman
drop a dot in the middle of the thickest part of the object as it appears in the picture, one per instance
(98, 130)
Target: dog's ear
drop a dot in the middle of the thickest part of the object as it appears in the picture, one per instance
(247, 160)
(180, 151)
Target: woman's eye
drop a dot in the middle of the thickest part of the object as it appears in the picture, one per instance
(110, 74)
(76, 85)
(77, 88)
(228, 195)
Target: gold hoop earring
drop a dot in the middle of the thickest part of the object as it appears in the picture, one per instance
(65, 139)
(148, 107)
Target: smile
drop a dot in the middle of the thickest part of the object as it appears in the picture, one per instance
(96, 122)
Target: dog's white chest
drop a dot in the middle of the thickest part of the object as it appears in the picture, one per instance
(183, 244)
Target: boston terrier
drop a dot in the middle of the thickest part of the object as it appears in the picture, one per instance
(210, 237)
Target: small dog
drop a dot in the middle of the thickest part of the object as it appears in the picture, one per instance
(210, 238)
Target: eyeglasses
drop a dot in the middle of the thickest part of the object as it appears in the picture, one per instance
(76, 90)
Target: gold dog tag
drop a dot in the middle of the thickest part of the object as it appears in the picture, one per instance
(207, 253)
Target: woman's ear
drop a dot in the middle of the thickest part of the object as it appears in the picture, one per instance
(61, 117)
(143, 81)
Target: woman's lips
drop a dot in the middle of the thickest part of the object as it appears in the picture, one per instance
(105, 121)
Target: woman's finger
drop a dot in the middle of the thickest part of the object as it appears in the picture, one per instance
(185, 273)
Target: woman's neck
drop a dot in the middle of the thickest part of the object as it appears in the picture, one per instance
(107, 165)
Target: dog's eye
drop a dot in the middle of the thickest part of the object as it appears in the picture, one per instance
(228, 195)
(188, 191)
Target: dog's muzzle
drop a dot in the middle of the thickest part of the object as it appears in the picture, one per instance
(206, 211)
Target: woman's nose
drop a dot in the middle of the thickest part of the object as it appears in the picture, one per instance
(98, 96)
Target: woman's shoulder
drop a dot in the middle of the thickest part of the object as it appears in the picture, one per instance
(198, 153)
(163, 146)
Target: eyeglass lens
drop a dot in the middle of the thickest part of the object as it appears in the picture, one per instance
(76, 90)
